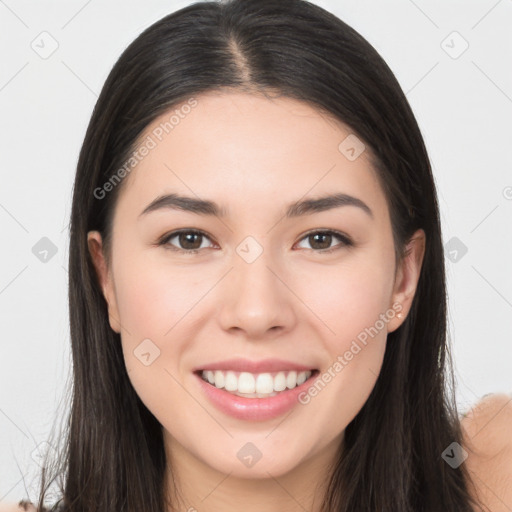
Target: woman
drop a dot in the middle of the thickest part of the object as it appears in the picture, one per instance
(257, 286)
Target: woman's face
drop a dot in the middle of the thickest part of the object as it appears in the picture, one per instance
(260, 285)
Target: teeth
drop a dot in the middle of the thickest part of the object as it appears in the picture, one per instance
(259, 385)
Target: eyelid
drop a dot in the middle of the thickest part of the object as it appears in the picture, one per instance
(163, 241)
(346, 241)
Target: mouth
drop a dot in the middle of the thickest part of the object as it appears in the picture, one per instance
(256, 385)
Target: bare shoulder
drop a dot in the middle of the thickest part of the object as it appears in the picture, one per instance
(14, 507)
(487, 438)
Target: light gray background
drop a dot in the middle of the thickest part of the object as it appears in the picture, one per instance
(463, 103)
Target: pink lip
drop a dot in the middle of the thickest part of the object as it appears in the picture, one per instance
(254, 409)
(246, 365)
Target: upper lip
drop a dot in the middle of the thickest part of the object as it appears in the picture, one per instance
(262, 366)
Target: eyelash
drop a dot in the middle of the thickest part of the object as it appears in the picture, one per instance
(164, 241)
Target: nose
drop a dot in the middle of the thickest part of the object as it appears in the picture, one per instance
(256, 300)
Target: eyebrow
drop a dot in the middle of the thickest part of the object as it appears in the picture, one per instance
(296, 209)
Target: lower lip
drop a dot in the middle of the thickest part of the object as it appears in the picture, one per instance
(254, 409)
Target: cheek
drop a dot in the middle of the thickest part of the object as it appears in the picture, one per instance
(350, 306)
(159, 306)
(347, 297)
(153, 298)
(351, 299)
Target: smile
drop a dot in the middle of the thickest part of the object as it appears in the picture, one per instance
(260, 385)
(254, 396)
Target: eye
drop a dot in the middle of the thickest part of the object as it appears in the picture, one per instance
(189, 239)
(323, 239)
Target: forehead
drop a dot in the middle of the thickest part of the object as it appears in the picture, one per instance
(240, 148)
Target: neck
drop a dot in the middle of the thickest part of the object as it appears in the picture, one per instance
(196, 486)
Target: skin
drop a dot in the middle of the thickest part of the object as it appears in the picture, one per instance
(487, 441)
(253, 155)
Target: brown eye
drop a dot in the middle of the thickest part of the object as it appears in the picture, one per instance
(188, 241)
(320, 241)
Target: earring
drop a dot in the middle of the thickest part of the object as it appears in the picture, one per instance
(399, 315)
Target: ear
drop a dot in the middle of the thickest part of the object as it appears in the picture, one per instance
(407, 276)
(104, 276)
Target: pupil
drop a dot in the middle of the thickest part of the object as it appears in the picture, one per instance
(185, 240)
(325, 245)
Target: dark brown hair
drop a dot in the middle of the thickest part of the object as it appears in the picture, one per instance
(112, 456)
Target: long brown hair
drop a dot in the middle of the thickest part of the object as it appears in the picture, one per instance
(112, 454)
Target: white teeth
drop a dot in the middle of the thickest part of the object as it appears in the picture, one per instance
(259, 385)
(291, 380)
(264, 383)
(280, 382)
(219, 379)
(231, 382)
(301, 378)
(246, 383)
